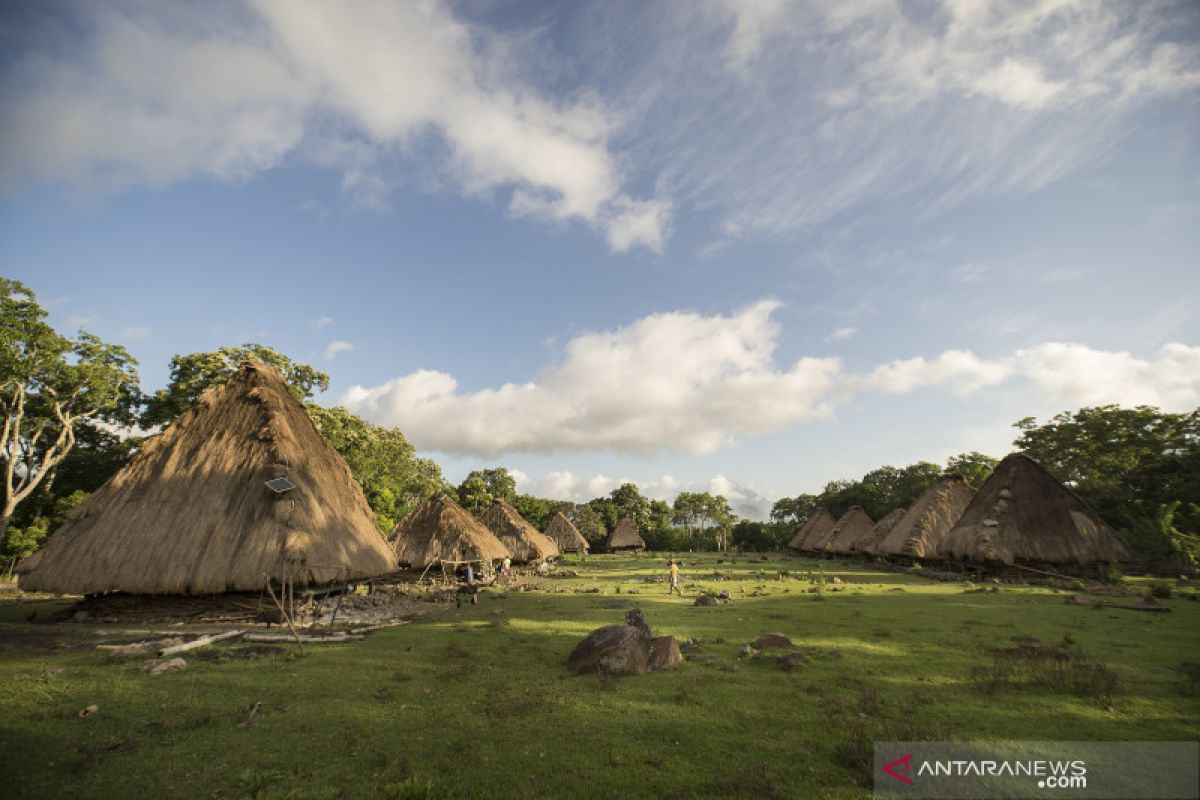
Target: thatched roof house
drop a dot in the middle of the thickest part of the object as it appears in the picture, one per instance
(920, 532)
(526, 543)
(1022, 513)
(566, 535)
(191, 513)
(624, 537)
(441, 530)
(868, 543)
(855, 524)
(817, 526)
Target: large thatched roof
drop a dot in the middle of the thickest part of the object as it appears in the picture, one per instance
(441, 529)
(524, 541)
(868, 543)
(566, 535)
(190, 514)
(1022, 513)
(625, 537)
(855, 524)
(817, 526)
(920, 532)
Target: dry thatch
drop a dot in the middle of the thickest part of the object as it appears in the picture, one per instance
(566, 535)
(815, 527)
(868, 543)
(855, 524)
(525, 542)
(920, 532)
(1022, 513)
(440, 529)
(190, 513)
(625, 537)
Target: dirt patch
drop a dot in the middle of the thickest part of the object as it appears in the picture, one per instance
(21, 639)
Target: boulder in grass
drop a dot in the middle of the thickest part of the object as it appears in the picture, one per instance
(769, 640)
(615, 649)
(664, 653)
(705, 600)
(158, 666)
(792, 660)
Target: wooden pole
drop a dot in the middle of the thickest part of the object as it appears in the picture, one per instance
(286, 618)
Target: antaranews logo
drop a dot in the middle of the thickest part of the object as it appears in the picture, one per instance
(1049, 774)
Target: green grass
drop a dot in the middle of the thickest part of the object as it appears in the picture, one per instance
(476, 702)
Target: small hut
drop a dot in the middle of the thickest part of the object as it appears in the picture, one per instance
(441, 530)
(817, 526)
(868, 543)
(625, 538)
(852, 526)
(241, 489)
(1023, 514)
(920, 532)
(525, 542)
(566, 535)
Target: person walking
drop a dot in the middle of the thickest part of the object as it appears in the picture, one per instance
(674, 576)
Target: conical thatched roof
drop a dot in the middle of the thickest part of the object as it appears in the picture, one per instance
(524, 541)
(1022, 513)
(441, 529)
(855, 524)
(190, 514)
(625, 537)
(817, 526)
(920, 532)
(566, 535)
(868, 543)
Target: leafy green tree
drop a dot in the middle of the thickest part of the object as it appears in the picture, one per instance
(1129, 464)
(760, 537)
(607, 511)
(589, 522)
(481, 486)
(393, 479)
(974, 466)
(707, 518)
(50, 386)
(630, 502)
(538, 510)
(192, 374)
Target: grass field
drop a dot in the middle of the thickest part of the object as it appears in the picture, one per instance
(476, 702)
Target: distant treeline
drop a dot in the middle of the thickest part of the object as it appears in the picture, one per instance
(74, 414)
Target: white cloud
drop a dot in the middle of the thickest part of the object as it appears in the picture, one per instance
(335, 347)
(815, 108)
(842, 334)
(689, 383)
(133, 334)
(159, 94)
(320, 323)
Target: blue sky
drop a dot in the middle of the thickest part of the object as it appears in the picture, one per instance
(746, 246)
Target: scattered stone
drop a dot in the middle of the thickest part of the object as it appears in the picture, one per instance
(769, 640)
(615, 649)
(791, 661)
(87, 712)
(48, 670)
(747, 650)
(129, 652)
(836, 580)
(705, 600)
(159, 666)
(632, 591)
(664, 653)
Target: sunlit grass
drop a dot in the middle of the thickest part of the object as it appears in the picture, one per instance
(476, 701)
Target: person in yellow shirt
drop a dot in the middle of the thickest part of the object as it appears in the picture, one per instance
(674, 569)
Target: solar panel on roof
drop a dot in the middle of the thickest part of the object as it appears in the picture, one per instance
(280, 485)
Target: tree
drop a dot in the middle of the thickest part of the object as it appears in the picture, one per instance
(192, 374)
(49, 386)
(630, 502)
(393, 479)
(1127, 463)
(537, 511)
(974, 466)
(481, 486)
(589, 523)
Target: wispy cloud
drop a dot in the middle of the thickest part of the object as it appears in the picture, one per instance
(133, 334)
(841, 334)
(335, 347)
(320, 323)
(691, 383)
(228, 91)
